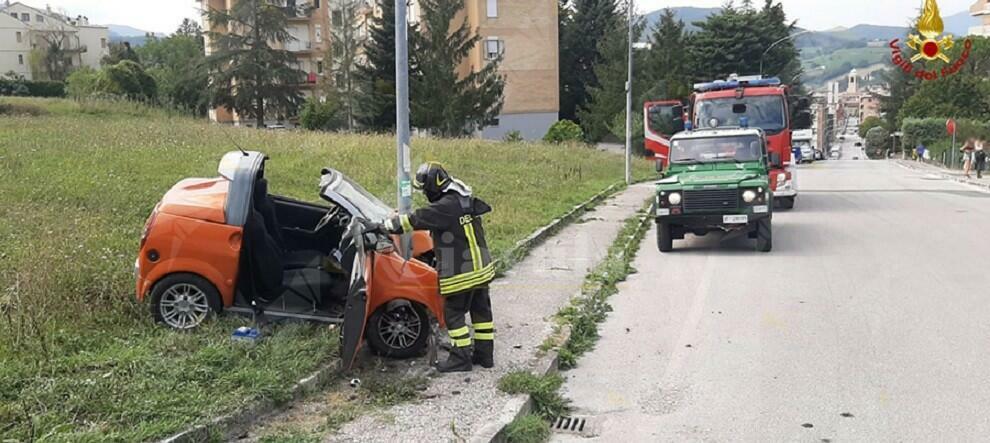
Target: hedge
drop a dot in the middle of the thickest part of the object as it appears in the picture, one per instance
(32, 88)
(930, 131)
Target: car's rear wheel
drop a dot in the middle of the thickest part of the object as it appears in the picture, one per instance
(785, 202)
(764, 235)
(665, 238)
(184, 301)
(398, 330)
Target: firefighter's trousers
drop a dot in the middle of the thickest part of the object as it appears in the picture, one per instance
(476, 302)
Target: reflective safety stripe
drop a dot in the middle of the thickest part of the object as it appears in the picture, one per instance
(484, 325)
(454, 333)
(447, 288)
(467, 280)
(484, 336)
(461, 343)
(406, 225)
(473, 245)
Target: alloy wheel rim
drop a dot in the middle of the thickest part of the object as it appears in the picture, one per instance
(183, 306)
(400, 328)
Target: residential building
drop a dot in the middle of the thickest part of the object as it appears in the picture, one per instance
(522, 32)
(311, 30)
(981, 10)
(869, 106)
(24, 29)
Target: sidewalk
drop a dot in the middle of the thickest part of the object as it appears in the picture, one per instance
(524, 300)
(950, 174)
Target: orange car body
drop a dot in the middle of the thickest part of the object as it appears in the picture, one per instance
(187, 233)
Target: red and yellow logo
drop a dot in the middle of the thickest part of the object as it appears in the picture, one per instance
(929, 46)
(930, 27)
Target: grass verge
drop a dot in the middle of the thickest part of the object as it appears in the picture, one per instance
(548, 404)
(585, 312)
(82, 360)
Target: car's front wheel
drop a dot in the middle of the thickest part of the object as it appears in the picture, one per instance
(665, 238)
(764, 235)
(184, 301)
(398, 330)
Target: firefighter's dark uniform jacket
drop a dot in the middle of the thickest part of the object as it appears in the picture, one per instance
(454, 222)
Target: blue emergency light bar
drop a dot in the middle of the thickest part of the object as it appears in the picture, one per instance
(750, 82)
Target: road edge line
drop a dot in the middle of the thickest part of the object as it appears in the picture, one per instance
(237, 422)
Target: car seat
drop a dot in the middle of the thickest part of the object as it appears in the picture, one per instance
(265, 205)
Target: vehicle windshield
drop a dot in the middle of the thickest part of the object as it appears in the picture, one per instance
(765, 112)
(369, 205)
(742, 148)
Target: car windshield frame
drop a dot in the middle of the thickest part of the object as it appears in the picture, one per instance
(371, 207)
(717, 157)
(754, 103)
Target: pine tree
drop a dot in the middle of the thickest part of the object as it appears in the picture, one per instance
(376, 77)
(667, 63)
(599, 117)
(584, 25)
(447, 102)
(249, 75)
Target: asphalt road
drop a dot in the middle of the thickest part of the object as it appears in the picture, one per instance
(869, 321)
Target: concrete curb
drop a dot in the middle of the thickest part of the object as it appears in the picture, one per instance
(231, 425)
(519, 405)
(965, 181)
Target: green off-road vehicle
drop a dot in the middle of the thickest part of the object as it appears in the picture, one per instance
(717, 180)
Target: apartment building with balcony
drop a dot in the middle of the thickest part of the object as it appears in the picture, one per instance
(981, 10)
(24, 29)
(311, 29)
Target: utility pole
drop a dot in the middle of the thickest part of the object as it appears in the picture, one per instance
(629, 22)
(403, 161)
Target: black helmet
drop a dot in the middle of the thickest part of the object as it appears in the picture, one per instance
(431, 178)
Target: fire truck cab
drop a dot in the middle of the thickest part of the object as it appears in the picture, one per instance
(763, 102)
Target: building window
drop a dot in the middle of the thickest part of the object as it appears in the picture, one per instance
(20, 59)
(39, 18)
(20, 38)
(103, 43)
(492, 8)
(25, 17)
(319, 33)
(493, 48)
(319, 67)
(316, 4)
(337, 17)
(13, 14)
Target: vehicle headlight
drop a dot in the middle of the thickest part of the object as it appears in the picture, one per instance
(749, 195)
(674, 198)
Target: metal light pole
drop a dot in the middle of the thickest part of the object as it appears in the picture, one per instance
(629, 97)
(403, 165)
(774, 44)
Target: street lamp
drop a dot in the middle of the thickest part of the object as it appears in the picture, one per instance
(629, 101)
(403, 166)
(774, 44)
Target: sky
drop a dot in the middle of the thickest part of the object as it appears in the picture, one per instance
(165, 15)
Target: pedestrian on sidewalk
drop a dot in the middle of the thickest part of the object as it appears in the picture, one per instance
(980, 156)
(919, 152)
(464, 263)
(967, 153)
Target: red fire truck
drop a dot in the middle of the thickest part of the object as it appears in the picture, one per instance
(739, 101)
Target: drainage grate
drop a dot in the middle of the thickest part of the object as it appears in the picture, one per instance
(572, 425)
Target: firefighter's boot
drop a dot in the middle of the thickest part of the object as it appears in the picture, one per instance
(459, 360)
(484, 353)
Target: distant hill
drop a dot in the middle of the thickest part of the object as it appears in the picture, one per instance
(687, 14)
(134, 36)
(870, 32)
(960, 23)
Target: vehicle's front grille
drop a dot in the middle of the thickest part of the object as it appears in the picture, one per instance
(711, 200)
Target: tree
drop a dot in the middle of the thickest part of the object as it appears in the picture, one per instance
(877, 140)
(449, 102)
(189, 28)
(959, 96)
(54, 58)
(178, 66)
(120, 52)
(667, 63)
(870, 123)
(584, 24)
(608, 98)
(376, 77)
(247, 74)
(345, 45)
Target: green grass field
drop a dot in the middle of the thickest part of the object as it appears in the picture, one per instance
(81, 359)
(835, 61)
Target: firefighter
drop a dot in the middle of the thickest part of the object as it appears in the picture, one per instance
(464, 264)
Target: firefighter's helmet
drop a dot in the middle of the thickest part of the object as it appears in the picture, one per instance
(432, 179)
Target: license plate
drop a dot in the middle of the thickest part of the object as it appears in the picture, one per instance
(735, 219)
